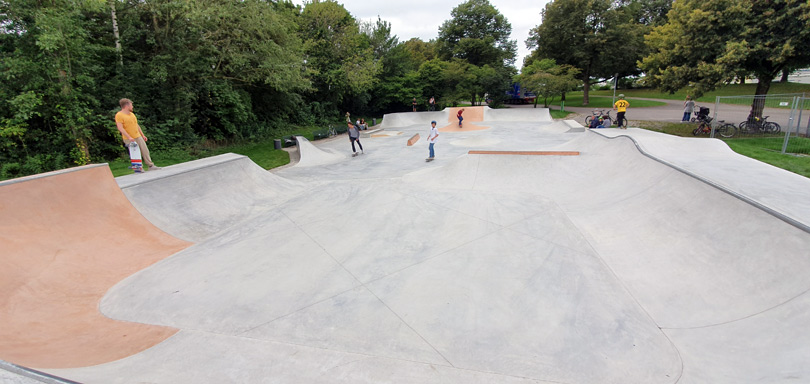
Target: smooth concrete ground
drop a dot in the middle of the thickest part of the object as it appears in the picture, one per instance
(626, 264)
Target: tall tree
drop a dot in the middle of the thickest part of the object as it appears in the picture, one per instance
(341, 67)
(707, 43)
(600, 37)
(547, 79)
(477, 33)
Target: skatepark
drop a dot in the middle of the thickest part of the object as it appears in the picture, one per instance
(529, 251)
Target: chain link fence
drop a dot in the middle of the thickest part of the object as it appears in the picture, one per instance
(772, 122)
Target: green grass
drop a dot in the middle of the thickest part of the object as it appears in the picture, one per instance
(574, 99)
(765, 149)
(728, 90)
(262, 153)
(557, 114)
(799, 164)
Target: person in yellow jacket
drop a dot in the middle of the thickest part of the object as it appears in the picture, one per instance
(127, 124)
(621, 107)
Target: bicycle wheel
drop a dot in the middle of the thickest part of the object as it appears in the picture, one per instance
(588, 121)
(771, 127)
(727, 130)
(697, 130)
(743, 127)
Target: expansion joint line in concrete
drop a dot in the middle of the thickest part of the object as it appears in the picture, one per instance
(365, 286)
(805, 292)
(804, 227)
(629, 293)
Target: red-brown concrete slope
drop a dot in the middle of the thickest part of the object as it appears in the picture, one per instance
(65, 239)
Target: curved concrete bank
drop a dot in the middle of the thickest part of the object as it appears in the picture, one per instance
(65, 238)
(195, 200)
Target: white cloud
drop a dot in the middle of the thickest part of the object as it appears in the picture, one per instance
(422, 18)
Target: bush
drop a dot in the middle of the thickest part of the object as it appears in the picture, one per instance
(10, 170)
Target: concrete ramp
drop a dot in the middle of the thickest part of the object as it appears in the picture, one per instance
(405, 119)
(471, 115)
(540, 115)
(312, 156)
(66, 238)
(195, 200)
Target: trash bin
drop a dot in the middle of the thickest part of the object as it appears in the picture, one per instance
(373, 121)
(277, 143)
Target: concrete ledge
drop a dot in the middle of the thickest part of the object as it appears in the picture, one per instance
(574, 126)
(413, 139)
(368, 133)
(524, 153)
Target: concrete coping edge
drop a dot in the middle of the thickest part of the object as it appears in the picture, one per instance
(779, 215)
(33, 374)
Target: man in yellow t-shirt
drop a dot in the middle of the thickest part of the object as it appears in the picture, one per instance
(127, 124)
(621, 107)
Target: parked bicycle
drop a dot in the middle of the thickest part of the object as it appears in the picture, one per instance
(607, 120)
(723, 129)
(760, 125)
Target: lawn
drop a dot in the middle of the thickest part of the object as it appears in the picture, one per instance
(728, 90)
(574, 99)
(262, 153)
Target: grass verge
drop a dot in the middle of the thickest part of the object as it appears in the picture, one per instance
(728, 90)
(574, 99)
(261, 153)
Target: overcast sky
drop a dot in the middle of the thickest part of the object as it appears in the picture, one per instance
(422, 18)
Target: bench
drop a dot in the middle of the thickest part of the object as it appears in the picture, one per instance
(288, 141)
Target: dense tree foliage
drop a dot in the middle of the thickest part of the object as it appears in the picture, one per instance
(476, 43)
(548, 80)
(196, 70)
(219, 70)
(707, 43)
(600, 37)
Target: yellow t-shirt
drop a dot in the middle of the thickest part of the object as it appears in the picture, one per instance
(130, 123)
(621, 105)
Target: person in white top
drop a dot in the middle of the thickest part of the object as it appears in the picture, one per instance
(432, 136)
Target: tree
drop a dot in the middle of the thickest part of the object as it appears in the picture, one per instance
(341, 66)
(707, 43)
(547, 79)
(597, 36)
(478, 34)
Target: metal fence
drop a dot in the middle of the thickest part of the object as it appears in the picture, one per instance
(772, 122)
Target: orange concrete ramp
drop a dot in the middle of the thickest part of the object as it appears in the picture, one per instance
(470, 115)
(65, 239)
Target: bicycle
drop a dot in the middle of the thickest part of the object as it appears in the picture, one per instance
(607, 120)
(760, 125)
(723, 129)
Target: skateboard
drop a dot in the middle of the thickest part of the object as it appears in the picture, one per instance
(136, 164)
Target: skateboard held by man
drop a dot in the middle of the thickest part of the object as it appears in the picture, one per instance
(136, 163)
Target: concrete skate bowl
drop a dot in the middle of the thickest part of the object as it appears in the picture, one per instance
(65, 238)
(731, 301)
(602, 267)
